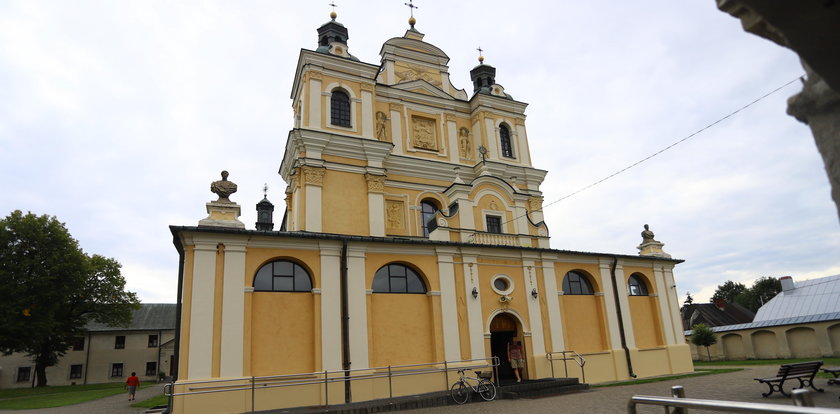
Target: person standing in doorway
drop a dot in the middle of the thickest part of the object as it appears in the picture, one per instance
(132, 383)
(516, 358)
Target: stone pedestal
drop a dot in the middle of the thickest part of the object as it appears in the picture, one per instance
(652, 248)
(222, 214)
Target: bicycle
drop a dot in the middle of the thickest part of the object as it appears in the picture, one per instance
(461, 389)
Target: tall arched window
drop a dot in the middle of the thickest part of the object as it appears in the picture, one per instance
(340, 108)
(282, 276)
(637, 285)
(427, 209)
(575, 283)
(397, 278)
(504, 134)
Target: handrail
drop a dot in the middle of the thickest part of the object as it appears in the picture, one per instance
(803, 404)
(578, 358)
(254, 383)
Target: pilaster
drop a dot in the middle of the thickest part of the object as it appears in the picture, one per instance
(201, 311)
(233, 311)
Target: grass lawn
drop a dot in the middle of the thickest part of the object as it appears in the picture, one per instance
(697, 373)
(827, 362)
(152, 402)
(45, 397)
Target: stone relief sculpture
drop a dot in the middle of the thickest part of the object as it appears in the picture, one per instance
(394, 215)
(383, 124)
(415, 72)
(464, 139)
(424, 133)
(223, 188)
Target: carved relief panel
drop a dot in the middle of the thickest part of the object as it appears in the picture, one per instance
(424, 135)
(394, 216)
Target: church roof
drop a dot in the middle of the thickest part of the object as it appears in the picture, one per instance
(150, 317)
(808, 297)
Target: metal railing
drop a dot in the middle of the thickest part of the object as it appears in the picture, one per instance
(564, 356)
(802, 401)
(326, 377)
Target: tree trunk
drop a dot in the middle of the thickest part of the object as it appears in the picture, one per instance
(41, 374)
(709, 354)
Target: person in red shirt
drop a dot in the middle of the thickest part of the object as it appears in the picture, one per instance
(132, 383)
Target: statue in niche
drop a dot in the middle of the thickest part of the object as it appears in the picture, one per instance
(464, 138)
(424, 133)
(223, 188)
(383, 127)
(647, 235)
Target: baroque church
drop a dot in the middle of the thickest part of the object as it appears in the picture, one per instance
(412, 243)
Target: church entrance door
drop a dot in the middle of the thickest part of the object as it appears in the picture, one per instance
(504, 329)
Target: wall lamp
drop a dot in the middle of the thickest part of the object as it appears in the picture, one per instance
(475, 293)
(534, 293)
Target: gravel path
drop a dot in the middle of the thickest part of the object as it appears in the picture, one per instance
(117, 404)
(734, 386)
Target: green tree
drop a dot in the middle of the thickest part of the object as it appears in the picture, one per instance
(762, 290)
(729, 291)
(50, 289)
(702, 335)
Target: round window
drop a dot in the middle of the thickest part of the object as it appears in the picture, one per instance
(502, 284)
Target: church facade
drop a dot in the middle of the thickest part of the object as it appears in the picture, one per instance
(412, 240)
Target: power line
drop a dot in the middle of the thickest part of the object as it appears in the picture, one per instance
(668, 147)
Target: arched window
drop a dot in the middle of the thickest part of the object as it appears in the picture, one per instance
(427, 209)
(637, 286)
(282, 276)
(575, 283)
(340, 108)
(504, 134)
(397, 278)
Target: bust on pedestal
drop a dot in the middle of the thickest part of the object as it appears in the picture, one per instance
(651, 247)
(222, 212)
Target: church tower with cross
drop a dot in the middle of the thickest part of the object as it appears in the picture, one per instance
(412, 240)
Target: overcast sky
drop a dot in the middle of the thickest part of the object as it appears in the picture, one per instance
(115, 116)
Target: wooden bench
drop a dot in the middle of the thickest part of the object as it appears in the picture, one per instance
(804, 372)
(833, 371)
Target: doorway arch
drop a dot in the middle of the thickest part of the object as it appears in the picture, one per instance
(505, 328)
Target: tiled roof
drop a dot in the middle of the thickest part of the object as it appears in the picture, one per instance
(150, 317)
(711, 315)
(810, 297)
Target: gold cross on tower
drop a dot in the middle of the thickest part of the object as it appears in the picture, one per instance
(333, 13)
(480, 56)
(411, 6)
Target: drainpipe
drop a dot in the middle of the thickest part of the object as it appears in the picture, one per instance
(345, 325)
(620, 319)
(174, 368)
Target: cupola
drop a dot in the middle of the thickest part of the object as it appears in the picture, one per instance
(265, 214)
(484, 80)
(332, 38)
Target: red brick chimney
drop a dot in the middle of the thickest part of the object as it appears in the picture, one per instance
(720, 303)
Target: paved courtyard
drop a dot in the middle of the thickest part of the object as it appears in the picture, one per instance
(735, 386)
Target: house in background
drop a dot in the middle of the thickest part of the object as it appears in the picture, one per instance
(107, 353)
(802, 321)
(718, 313)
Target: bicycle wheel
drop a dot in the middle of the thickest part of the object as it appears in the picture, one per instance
(487, 390)
(460, 392)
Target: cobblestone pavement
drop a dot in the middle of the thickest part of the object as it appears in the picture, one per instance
(734, 386)
(117, 404)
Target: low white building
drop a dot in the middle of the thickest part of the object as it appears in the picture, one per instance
(107, 353)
